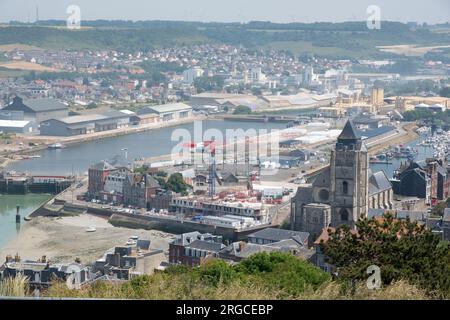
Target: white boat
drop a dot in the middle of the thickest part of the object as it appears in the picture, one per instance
(91, 229)
(56, 146)
(130, 242)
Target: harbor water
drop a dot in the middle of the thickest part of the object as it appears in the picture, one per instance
(28, 203)
(76, 159)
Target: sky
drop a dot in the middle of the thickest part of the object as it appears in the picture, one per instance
(285, 11)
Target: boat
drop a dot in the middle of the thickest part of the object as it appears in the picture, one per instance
(27, 218)
(55, 146)
(135, 238)
(131, 242)
(91, 229)
(34, 156)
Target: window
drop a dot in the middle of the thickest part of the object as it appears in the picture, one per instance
(345, 187)
(344, 215)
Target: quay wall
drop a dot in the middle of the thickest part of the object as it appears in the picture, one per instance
(176, 226)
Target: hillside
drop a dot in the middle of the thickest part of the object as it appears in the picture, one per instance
(345, 40)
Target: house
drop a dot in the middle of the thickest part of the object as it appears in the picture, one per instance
(426, 179)
(17, 126)
(167, 112)
(129, 261)
(97, 175)
(238, 251)
(42, 273)
(138, 188)
(193, 248)
(36, 110)
(302, 155)
(369, 121)
(287, 162)
(272, 235)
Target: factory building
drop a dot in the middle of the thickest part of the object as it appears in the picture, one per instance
(84, 124)
(167, 112)
(17, 126)
(36, 110)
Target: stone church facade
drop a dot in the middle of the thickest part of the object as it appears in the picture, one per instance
(344, 191)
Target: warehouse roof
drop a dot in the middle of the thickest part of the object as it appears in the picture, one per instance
(13, 123)
(163, 108)
(40, 105)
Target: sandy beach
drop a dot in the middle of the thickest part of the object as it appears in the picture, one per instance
(64, 239)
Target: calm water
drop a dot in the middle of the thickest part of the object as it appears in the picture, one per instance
(145, 144)
(78, 158)
(8, 205)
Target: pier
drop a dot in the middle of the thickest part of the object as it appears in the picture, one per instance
(12, 183)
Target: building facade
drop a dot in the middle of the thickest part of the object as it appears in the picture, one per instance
(341, 193)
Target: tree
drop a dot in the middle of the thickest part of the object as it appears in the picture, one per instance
(445, 92)
(402, 249)
(242, 110)
(205, 83)
(176, 183)
(91, 105)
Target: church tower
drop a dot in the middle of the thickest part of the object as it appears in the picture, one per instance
(349, 178)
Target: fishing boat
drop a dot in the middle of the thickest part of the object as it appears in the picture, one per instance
(131, 242)
(91, 229)
(55, 146)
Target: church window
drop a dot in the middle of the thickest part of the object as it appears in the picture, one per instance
(324, 194)
(344, 215)
(345, 187)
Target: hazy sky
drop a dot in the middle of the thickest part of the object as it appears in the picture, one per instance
(430, 11)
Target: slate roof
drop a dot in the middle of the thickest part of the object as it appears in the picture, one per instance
(275, 234)
(206, 245)
(41, 105)
(378, 182)
(163, 108)
(349, 132)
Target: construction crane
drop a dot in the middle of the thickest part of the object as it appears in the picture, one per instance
(205, 145)
(212, 171)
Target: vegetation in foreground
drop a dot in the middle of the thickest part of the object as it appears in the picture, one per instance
(262, 276)
(403, 250)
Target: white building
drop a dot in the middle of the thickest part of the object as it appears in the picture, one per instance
(190, 75)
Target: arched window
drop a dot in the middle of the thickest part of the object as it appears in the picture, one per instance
(344, 214)
(345, 187)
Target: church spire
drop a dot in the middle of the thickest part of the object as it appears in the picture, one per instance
(349, 133)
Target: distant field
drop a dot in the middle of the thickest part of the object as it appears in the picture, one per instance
(27, 66)
(9, 73)
(17, 46)
(299, 47)
(410, 50)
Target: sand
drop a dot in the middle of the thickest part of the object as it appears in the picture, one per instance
(64, 239)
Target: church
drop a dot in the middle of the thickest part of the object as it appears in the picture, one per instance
(344, 191)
